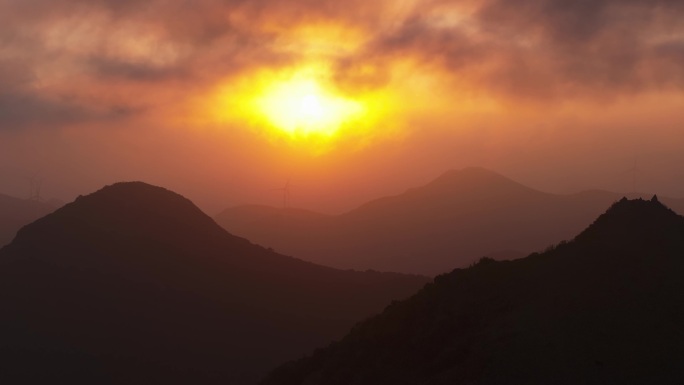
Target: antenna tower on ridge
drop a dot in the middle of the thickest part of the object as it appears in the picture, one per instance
(286, 193)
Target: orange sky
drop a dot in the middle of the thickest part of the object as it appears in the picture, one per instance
(562, 96)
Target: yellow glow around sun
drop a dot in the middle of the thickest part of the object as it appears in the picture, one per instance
(301, 106)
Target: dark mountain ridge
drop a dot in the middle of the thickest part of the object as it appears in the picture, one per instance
(450, 222)
(134, 284)
(606, 307)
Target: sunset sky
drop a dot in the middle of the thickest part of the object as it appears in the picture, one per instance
(223, 101)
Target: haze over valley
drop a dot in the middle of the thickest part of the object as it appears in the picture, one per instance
(451, 222)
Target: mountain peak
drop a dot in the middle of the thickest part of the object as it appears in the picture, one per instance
(469, 173)
(125, 208)
(477, 179)
(638, 209)
(135, 193)
(632, 220)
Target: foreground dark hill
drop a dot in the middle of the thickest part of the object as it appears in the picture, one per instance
(134, 284)
(16, 213)
(605, 308)
(450, 222)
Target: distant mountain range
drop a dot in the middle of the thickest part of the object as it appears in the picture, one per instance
(450, 222)
(134, 284)
(605, 308)
(16, 213)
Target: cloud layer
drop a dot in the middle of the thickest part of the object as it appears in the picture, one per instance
(73, 61)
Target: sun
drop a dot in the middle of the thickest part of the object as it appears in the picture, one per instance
(302, 106)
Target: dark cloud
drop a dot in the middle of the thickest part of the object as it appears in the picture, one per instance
(24, 105)
(26, 102)
(544, 48)
(23, 110)
(26, 110)
(587, 46)
(452, 45)
(20, 107)
(137, 72)
(64, 62)
(415, 37)
(577, 21)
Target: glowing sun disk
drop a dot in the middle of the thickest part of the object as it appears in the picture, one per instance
(303, 107)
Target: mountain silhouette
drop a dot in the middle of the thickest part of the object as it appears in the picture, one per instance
(605, 308)
(16, 213)
(451, 222)
(134, 284)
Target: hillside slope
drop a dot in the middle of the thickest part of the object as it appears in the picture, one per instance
(134, 284)
(605, 308)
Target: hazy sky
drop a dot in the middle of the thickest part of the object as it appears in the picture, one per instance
(193, 95)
